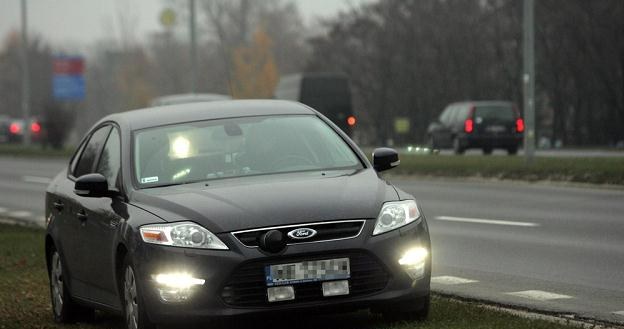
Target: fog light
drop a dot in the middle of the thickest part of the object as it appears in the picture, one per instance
(414, 262)
(335, 288)
(176, 287)
(278, 294)
(177, 280)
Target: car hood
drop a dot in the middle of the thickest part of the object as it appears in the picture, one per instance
(261, 201)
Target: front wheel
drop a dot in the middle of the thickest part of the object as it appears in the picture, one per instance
(64, 309)
(134, 311)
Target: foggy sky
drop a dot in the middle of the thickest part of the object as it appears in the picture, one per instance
(75, 23)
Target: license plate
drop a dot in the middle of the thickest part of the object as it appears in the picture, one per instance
(309, 271)
(495, 129)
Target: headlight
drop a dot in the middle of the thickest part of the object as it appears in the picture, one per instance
(396, 214)
(181, 234)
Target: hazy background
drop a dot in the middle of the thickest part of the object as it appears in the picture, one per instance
(406, 59)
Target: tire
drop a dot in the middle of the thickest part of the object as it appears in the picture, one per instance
(397, 314)
(135, 316)
(457, 148)
(64, 309)
(487, 150)
(512, 150)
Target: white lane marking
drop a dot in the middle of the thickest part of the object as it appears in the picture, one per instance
(619, 313)
(447, 279)
(486, 221)
(3, 210)
(20, 214)
(37, 179)
(538, 295)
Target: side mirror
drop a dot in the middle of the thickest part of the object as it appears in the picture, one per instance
(91, 186)
(385, 158)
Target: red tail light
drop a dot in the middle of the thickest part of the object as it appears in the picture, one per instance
(351, 120)
(468, 126)
(14, 128)
(35, 127)
(519, 125)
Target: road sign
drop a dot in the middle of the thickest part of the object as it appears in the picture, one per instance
(168, 17)
(68, 83)
(401, 125)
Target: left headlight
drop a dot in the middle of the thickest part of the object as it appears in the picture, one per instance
(181, 234)
(396, 214)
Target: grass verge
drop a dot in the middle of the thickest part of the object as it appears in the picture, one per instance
(24, 299)
(577, 170)
(34, 151)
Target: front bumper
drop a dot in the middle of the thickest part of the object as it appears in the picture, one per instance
(389, 283)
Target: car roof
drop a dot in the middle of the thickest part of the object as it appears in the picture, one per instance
(180, 113)
(188, 98)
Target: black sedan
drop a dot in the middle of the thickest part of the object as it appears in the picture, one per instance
(197, 211)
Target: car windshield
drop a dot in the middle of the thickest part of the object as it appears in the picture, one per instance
(198, 151)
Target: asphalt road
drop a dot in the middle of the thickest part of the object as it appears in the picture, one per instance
(551, 248)
(556, 249)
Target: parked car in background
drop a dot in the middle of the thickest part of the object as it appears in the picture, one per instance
(188, 98)
(230, 208)
(326, 92)
(480, 124)
(16, 129)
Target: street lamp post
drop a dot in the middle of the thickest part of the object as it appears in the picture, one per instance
(193, 34)
(528, 79)
(25, 78)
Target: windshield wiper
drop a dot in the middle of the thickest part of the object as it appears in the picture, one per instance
(173, 184)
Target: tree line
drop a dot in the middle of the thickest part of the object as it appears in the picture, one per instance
(409, 58)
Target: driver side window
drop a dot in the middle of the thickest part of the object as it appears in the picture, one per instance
(89, 155)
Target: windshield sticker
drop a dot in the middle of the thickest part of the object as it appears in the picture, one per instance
(152, 179)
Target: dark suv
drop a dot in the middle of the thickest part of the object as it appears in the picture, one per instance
(484, 124)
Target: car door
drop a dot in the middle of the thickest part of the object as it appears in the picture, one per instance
(58, 200)
(71, 226)
(101, 217)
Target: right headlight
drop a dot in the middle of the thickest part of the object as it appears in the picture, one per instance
(181, 234)
(396, 214)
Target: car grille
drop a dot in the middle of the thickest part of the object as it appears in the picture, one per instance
(247, 287)
(324, 232)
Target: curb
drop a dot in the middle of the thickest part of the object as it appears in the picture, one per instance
(534, 314)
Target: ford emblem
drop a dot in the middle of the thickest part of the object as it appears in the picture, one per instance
(301, 233)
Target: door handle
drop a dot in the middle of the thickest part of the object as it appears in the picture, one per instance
(58, 205)
(82, 215)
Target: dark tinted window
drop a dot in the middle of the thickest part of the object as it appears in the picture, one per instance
(75, 157)
(110, 160)
(497, 112)
(91, 151)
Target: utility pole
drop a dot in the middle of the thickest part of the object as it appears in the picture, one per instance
(528, 79)
(193, 33)
(25, 79)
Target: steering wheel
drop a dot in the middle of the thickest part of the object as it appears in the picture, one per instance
(290, 161)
